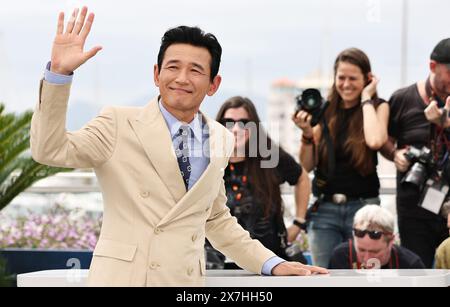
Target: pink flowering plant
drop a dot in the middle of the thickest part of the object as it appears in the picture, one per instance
(57, 228)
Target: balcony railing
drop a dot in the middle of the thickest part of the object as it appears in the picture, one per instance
(85, 182)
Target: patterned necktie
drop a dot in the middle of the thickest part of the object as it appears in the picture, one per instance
(182, 153)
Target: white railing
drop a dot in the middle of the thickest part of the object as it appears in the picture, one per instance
(86, 182)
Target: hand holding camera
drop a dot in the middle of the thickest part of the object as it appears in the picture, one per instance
(401, 162)
(292, 233)
(310, 110)
(423, 166)
(430, 177)
(302, 119)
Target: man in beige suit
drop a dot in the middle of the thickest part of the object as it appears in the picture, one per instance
(161, 197)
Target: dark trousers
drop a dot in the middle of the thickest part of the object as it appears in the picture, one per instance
(422, 236)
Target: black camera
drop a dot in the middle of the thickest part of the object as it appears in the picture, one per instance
(423, 166)
(430, 177)
(312, 102)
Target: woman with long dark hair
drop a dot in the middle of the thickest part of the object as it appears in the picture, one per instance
(354, 129)
(253, 177)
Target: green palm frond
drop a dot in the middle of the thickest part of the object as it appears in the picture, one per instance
(12, 126)
(18, 171)
(6, 280)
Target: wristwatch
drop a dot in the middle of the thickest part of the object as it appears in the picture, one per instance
(299, 222)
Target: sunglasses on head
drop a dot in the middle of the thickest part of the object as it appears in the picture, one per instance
(373, 234)
(229, 122)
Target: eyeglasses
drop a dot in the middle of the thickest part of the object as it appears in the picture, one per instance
(373, 234)
(229, 122)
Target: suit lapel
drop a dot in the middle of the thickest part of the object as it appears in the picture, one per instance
(202, 186)
(154, 136)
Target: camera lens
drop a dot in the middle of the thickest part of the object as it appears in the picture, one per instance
(311, 103)
(312, 99)
(416, 175)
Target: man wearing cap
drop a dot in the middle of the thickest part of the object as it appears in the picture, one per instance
(418, 118)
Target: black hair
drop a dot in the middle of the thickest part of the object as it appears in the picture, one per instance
(196, 37)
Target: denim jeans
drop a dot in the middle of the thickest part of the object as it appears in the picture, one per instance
(331, 225)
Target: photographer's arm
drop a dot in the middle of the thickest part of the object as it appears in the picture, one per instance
(375, 125)
(390, 152)
(388, 149)
(375, 118)
(310, 137)
(301, 194)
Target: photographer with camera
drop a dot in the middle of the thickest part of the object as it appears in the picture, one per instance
(419, 147)
(342, 149)
(253, 188)
(373, 246)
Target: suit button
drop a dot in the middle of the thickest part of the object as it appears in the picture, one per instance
(194, 237)
(190, 271)
(145, 194)
(154, 265)
(158, 230)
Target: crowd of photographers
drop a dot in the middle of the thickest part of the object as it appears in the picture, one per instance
(341, 136)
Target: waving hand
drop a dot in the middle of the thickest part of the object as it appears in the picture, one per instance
(68, 47)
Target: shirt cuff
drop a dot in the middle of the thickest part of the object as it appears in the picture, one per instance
(270, 264)
(54, 78)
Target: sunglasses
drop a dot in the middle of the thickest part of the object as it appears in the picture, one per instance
(373, 234)
(229, 122)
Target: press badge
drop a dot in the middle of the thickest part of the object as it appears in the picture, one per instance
(434, 196)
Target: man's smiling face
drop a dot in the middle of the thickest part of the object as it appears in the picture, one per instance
(184, 78)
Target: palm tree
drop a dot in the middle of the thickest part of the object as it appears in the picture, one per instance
(6, 279)
(18, 170)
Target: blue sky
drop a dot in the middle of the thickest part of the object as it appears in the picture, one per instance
(262, 41)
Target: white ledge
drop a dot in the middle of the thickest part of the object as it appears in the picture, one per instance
(231, 278)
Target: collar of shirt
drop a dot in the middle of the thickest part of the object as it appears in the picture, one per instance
(174, 124)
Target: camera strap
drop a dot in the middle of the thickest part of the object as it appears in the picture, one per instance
(331, 153)
(322, 180)
(440, 145)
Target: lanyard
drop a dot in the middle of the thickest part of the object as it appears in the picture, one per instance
(439, 143)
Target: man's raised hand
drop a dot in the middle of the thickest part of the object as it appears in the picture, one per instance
(68, 47)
